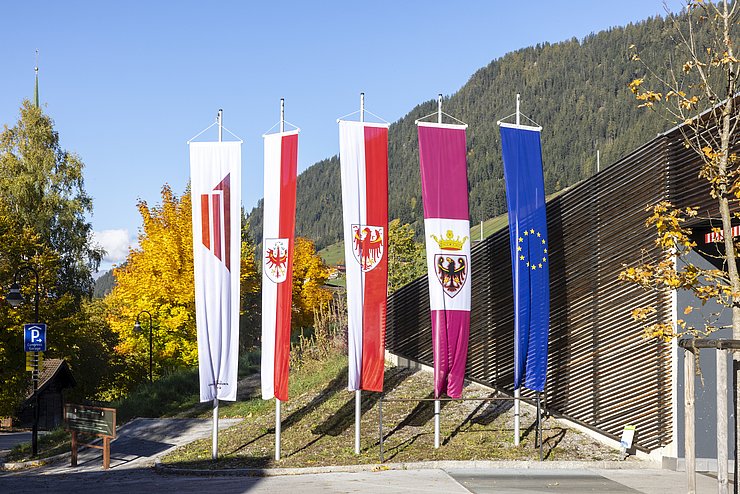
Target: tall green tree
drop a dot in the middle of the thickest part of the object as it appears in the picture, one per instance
(406, 257)
(43, 206)
(44, 190)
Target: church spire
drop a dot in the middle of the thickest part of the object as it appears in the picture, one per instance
(36, 87)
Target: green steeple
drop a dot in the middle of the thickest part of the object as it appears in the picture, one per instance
(36, 88)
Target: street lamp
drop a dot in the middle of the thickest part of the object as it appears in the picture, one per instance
(15, 298)
(137, 329)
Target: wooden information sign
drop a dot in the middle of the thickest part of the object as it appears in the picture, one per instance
(92, 421)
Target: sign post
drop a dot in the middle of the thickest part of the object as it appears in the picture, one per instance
(94, 421)
(34, 342)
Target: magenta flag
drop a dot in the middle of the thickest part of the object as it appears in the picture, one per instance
(444, 184)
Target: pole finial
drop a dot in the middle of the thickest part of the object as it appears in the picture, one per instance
(36, 84)
(439, 108)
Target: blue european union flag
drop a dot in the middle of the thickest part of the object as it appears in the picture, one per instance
(525, 197)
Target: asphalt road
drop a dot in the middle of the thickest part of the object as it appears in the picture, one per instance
(141, 441)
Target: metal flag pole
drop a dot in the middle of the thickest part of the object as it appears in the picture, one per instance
(358, 393)
(214, 449)
(437, 407)
(278, 425)
(516, 391)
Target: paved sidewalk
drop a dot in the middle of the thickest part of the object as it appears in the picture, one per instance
(142, 441)
(8, 440)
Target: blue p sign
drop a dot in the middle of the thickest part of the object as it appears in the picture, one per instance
(34, 337)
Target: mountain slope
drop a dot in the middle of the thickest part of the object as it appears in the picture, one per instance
(576, 90)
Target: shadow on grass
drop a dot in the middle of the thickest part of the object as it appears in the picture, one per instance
(494, 411)
(551, 442)
(344, 418)
(335, 385)
(472, 415)
(393, 451)
(422, 413)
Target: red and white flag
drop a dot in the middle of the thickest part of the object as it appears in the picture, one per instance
(363, 153)
(215, 175)
(278, 235)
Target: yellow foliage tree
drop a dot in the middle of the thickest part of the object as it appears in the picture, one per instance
(157, 277)
(309, 276)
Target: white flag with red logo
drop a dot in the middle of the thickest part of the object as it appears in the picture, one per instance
(281, 169)
(215, 185)
(363, 153)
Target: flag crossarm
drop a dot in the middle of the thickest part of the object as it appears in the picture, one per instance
(295, 129)
(517, 125)
(383, 122)
(420, 121)
(238, 139)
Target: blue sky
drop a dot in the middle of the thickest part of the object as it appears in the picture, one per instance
(128, 83)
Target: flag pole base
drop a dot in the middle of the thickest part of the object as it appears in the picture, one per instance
(278, 429)
(358, 414)
(516, 417)
(214, 451)
(436, 423)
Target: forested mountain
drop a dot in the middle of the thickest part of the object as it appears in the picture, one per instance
(104, 284)
(576, 90)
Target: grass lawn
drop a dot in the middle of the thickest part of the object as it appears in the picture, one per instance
(318, 427)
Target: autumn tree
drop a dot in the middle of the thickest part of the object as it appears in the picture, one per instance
(250, 291)
(43, 186)
(699, 93)
(158, 277)
(43, 225)
(309, 276)
(406, 258)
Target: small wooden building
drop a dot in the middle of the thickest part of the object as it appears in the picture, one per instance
(55, 377)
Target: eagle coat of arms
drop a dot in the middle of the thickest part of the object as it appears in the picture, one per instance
(276, 259)
(367, 245)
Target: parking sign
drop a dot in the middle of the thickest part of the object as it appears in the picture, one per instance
(34, 337)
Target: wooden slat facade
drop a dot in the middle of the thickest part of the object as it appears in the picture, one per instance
(601, 372)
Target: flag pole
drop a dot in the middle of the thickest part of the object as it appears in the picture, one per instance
(358, 392)
(437, 407)
(278, 418)
(517, 390)
(214, 449)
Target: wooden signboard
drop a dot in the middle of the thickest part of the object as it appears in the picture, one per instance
(93, 421)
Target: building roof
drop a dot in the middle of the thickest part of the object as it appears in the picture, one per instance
(54, 369)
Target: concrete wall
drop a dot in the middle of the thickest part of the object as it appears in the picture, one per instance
(706, 391)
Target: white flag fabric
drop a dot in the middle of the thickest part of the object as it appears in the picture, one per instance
(278, 234)
(215, 174)
(363, 154)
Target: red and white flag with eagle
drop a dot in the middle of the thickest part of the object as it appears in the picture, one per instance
(215, 184)
(363, 153)
(281, 168)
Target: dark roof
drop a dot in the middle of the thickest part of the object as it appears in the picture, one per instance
(54, 369)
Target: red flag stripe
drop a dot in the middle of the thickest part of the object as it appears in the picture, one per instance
(216, 212)
(376, 280)
(205, 222)
(288, 179)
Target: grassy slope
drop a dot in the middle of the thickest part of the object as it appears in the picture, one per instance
(318, 426)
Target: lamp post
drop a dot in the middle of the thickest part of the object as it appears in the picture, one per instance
(15, 298)
(137, 329)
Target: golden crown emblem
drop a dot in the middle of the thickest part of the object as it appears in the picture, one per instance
(450, 243)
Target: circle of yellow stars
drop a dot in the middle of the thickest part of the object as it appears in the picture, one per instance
(530, 264)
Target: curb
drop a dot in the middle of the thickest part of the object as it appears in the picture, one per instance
(21, 465)
(421, 465)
